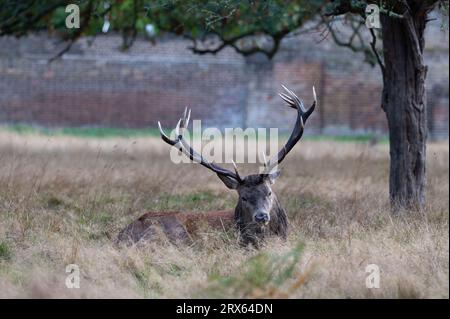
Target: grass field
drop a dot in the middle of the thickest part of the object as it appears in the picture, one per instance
(63, 199)
(110, 132)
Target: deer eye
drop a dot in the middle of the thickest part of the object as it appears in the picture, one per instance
(270, 193)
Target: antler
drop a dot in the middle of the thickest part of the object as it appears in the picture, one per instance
(180, 143)
(291, 99)
(302, 115)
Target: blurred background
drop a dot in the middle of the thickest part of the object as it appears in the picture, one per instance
(97, 85)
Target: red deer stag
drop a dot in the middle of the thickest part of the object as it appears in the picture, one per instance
(258, 212)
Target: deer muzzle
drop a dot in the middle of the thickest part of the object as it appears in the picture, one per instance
(262, 217)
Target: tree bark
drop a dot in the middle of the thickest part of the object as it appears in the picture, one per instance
(404, 103)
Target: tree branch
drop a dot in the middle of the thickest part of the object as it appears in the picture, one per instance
(232, 42)
(373, 45)
(28, 22)
(129, 33)
(370, 52)
(349, 44)
(87, 14)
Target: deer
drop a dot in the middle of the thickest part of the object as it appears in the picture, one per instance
(258, 213)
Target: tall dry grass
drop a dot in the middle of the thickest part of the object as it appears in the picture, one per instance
(63, 201)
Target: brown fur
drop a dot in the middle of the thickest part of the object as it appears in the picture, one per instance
(176, 226)
(179, 226)
(254, 233)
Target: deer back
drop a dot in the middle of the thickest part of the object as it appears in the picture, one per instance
(175, 226)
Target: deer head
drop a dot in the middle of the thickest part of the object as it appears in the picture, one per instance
(258, 210)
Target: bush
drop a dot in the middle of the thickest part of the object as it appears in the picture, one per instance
(261, 276)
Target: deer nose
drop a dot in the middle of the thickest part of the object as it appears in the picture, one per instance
(261, 217)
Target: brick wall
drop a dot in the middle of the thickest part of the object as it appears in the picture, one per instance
(97, 85)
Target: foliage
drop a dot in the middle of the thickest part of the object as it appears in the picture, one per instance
(5, 251)
(262, 276)
(247, 26)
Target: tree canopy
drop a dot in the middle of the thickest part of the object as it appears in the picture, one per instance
(247, 26)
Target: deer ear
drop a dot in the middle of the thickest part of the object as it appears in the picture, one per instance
(272, 176)
(229, 182)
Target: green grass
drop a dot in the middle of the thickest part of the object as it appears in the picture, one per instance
(100, 132)
(80, 131)
(201, 200)
(363, 138)
(5, 251)
(263, 272)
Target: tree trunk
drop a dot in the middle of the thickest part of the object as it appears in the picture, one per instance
(404, 103)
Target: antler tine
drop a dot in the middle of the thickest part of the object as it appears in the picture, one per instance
(236, 171)
(188, 118)
(185, 119)
(185, 112)
(180, 143)
(302, 115)
(177, 129)
(302, 124)
(264, 158)
(285, 97)
(302, 106)
(312, 107)
(268, 167)
(288, 100)
(284, 87)
(165, 137)
(298, 101)
(295, 97)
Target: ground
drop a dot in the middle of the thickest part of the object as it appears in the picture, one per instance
(64, 199)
